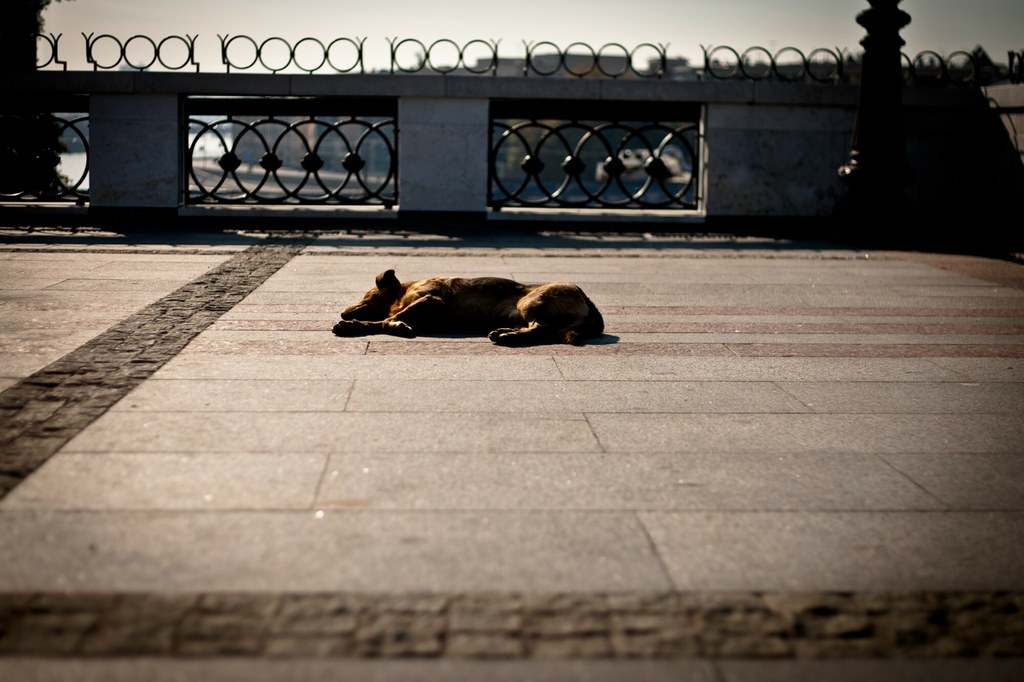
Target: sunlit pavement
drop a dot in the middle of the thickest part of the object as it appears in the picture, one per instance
(781, 461)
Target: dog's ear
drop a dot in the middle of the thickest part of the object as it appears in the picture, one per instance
(386, 281)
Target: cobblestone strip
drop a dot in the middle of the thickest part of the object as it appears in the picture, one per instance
(496, 625)
(41, 413)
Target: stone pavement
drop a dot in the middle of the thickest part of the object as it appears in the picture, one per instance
(782, 460)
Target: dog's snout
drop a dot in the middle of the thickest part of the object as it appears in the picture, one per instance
(354, 312)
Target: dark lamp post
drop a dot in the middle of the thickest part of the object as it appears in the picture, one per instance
(877, 170)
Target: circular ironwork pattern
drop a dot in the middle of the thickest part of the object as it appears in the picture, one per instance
(311, 160)
(544, 58)
(931, 68)
(611, 60)
(427, 57)
(154, 50)
(52, 43)
(290, 56)
(577, 164)
(825, 65)
(756, 63)
(34, 168)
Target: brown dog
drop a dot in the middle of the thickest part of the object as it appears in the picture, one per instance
(510, 313)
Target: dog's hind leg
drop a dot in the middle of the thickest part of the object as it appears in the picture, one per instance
(555, 313)
(531, 335)
(576, 334)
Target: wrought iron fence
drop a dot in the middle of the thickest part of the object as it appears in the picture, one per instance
(825, 65)
(306, 54)
(139, 52)
(564, 160)
(51, 45)
(822, 65)
(959, 68)
(544, 58)
(443, 56)
(611, 60)
(291, 152)
(44, 157)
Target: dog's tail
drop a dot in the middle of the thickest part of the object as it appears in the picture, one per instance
(591, 326)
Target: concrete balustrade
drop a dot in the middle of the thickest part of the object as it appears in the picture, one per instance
(768, 149)
(135, 150)
(442, 154)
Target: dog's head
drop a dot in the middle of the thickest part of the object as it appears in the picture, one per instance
(377, 303)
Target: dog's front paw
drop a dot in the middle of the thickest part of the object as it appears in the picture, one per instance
(498, 333)
(397, 328)
(504, 337)
(348, 328)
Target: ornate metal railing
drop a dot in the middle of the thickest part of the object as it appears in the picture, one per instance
(277, 54)
(51, 48)
(567, 161)
(788, 63)
(478, 57)
(825, 65)
(611, 60)
(291, 152)
(443, 56)
(44, 157)
(139, 52)
(579, 60)
(959, 68)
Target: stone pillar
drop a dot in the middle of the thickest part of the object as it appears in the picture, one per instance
(134, 154)
(442, 157)
(877, 171)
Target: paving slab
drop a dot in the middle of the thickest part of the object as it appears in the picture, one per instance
(256, 366)
(276, 343)
(54, 302)
(892, 397)
(968, 482)
(238, 395)
(842, 370)
(127, 431)
(621, 481)
(326, 550)
(808, 433)
(569, 396)
(840, 551)
(991, 370)
(50, 300)
(193, 480)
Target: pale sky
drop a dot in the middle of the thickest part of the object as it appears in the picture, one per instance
(685, 25)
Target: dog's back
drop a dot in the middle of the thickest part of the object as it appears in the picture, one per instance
(477, 304)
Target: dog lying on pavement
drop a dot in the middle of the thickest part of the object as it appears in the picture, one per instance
(510, 313)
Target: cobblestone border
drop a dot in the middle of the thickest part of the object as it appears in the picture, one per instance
(500, 625)
(42, 412)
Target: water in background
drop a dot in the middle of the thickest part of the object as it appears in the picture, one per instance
(72, 167)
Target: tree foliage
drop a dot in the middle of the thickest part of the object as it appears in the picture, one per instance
(20, 21)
